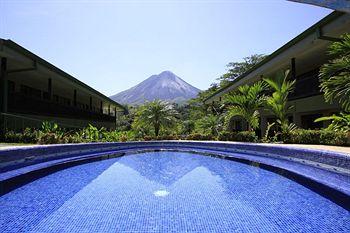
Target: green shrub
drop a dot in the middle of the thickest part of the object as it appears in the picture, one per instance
(49, 138)
(27, 136)
(226, 136)
(168, 137)
(49, 127)
(198, 136)
(12, 137)
(123, 138)
(242, 136)
(326, 137)
(148, 138)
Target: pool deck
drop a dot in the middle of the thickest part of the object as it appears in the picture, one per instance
(340, 149)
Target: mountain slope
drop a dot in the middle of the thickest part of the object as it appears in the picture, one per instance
(164, 86)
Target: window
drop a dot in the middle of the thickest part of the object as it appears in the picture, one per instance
(55, 98)
(30, 92)
(46, 95)
(306, 85)
(307, 121)
(10, 87)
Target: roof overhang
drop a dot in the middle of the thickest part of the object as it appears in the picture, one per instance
(338, 5)
(308, 47)
(28, 61)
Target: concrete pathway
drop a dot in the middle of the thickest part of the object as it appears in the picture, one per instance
(341, 149)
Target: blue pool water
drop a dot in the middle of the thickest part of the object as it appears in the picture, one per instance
(168, 192)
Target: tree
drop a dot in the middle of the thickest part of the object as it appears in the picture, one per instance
(236, 69)
(156, 114)
(335, 75)
(335, 83)
(209, 124)
(278, 101)
(245, 102)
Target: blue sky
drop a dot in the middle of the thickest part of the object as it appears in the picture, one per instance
(113, 45)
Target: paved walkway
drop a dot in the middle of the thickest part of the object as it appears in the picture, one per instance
(341, 149)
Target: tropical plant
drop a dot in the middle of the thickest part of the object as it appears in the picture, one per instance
(187, 127)
(49, 127)
(335, 75)
(209, 124)
(92, 133)
(278, 101)
(339, 123)
(267, 137)
(245, 103)
(156, 114)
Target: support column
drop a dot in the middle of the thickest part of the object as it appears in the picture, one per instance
(49, 88)
(109, 109)
(263, 125)
(115, 117)
(90, 103)
(75, 98)
(293, 69)
(3, 95)
(297, 119)
(101, 107)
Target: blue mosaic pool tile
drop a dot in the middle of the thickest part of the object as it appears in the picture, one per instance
(168, 192)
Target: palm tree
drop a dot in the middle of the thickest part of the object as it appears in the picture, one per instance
(245, 103)
(157, 114)
(335, 75)
(210, 123)
(340, 122)
(277, 102)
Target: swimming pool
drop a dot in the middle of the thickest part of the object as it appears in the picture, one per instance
(168, 192)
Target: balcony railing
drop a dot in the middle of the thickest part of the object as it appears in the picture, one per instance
(19, 103)
(306, 85)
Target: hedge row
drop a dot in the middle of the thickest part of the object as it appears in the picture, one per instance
(325, 137)
(299, 136)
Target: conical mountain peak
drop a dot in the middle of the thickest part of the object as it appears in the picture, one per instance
(164, 86)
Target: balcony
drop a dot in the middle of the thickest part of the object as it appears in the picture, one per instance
(19, 103)
(306, 85)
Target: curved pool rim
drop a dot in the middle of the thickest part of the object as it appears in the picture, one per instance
(20, 166)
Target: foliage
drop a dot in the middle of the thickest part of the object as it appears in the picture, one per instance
(267, 137)
(156, 114)
(27, 136)
(198, 136)
(335, 75)
(236, 69)
(245, 103)
(50, 133)
(49, 127)
(242, 136)
(49, 138)
(187, 127)
(209, 124)
(326, 137)
(277, 102)
(339, 123)
(162, 137)
(92, 133)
